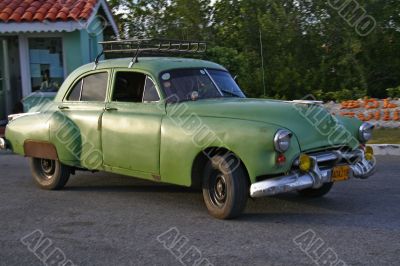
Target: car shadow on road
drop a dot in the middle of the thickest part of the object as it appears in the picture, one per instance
(116, 183)
(335, 208)
(331, 210)
(132, 188)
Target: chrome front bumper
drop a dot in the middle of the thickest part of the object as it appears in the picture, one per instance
(3, 144)
(360, 167)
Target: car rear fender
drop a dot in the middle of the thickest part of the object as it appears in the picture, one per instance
(33, 127)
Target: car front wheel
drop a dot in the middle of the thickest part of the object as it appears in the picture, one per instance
(225, 187)
(49, 174)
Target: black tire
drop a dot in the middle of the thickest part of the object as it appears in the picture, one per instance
(49, 174)
(316, 192)
(225, 187)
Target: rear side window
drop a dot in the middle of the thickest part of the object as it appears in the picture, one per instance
(90, 88)
(75, 94)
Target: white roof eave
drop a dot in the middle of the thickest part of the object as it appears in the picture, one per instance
(109, 16)
(58, 26)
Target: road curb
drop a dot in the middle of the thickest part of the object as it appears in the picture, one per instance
(386, 149)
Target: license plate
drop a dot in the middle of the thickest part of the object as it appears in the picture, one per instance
(340, 173)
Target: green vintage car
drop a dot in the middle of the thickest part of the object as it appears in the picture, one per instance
(187, 122)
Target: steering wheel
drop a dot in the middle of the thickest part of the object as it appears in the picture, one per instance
(194, 95)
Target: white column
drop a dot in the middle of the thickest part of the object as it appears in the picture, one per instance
(25, 65)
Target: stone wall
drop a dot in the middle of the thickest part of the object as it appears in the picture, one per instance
(382, 113)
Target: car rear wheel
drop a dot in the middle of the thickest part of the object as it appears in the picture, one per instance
(316, 192)
(49, 174)
(225, 187)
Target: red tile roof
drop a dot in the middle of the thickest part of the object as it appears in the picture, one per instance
(50, 10)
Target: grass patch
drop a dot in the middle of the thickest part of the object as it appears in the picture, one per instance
(386, 136)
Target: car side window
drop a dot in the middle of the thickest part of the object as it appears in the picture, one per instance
(75, 94)
(90, 88)
(129, 87)
(94, 87)
(150, 91)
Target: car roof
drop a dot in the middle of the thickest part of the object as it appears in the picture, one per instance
(152, 65)
(156, 65)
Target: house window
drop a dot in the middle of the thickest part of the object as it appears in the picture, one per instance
(46, 63)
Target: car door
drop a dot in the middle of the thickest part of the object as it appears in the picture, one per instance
(131, 124)
(77, 132)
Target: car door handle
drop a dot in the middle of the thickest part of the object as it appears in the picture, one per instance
(110, 109)
(63, 107)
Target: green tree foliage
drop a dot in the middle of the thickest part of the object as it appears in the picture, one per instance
(308, 47)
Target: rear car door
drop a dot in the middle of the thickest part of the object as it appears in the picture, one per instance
(77, 132)
(131, 125)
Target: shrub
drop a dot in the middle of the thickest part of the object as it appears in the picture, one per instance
(340, 95)
(393, 92)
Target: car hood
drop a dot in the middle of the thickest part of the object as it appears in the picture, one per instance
(312, 124)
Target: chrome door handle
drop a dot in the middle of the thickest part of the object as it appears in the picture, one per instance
(62, 107)
(110, 109)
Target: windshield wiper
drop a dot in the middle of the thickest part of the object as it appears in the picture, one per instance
(230, 93)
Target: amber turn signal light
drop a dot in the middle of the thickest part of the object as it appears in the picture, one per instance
(369, 153)
(305, 163)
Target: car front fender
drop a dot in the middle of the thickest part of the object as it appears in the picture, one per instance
(252, 142)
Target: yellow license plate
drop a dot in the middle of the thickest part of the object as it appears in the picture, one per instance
(340, 173)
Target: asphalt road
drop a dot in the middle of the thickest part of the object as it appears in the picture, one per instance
(104, 219)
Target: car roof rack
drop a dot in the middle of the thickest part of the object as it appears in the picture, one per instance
(151, 47)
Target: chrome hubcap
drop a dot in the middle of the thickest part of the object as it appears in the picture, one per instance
(218, 190)
(48, 168)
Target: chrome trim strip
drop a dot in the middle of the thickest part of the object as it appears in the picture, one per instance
(15, 116)
(332, 156)
(326, 157)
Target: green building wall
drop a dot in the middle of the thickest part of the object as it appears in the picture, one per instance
(80, 48)
(72, 50)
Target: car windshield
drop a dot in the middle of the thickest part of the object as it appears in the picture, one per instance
(226, 84)
(195, 84)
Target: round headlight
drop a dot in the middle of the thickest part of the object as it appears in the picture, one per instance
(365, 132)
(282, 140)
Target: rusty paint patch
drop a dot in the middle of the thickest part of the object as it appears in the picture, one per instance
(156, 177)
(40, 149)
